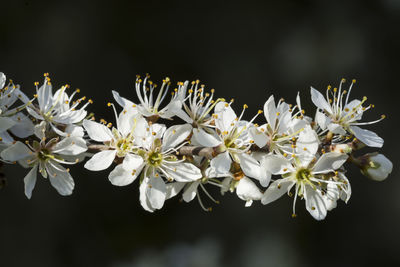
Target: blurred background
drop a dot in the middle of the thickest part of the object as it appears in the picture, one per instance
(245, 51)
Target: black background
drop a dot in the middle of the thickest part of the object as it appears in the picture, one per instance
(245, 51)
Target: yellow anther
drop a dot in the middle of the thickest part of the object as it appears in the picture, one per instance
(212, 91)
(343, 80)
(109, 104)
(245, 106)
(109, 125)
(226, 105)
(278, 113)
(294, 215)
(353, 81)
(153, 133)
(90, 101)
(259, 111)
(383, 116)
(329, 87)
(335, 89)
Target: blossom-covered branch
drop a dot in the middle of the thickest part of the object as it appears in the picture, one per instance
(207, 144)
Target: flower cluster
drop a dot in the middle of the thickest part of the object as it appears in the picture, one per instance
(210, 145)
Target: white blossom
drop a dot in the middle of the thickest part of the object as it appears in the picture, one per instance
(377, 166)
(47, 157)
(342, 117)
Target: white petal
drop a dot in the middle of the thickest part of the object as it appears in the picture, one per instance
(74, 130)
(156, 192)
(97, 132)
(226, 116)
(24, 126)
(30, 181)
(101, 160)
(182, 172)
(45, 97)
(276, 164)
(319, 100)
(248, 191)
(205, 139)
(321, 119)
(175, 135)
(329, 162)
(133, 162)
(121, 177)
(2, 80)
(221, 163)
(336, 128)
(173, 189)
(144, 201)
(190, 191)
(270, 111)
(276, 190)
(16, 152)
(6, 123)
(260, 139)
(71, 146)
(250, 166)
(367, 137)
(315, 203)
(123, 102)
(127, 120)
(60, 179)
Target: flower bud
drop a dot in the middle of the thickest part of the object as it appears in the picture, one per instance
(341, 148)
(377, 167)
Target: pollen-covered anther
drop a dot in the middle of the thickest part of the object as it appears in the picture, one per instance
(245, 106)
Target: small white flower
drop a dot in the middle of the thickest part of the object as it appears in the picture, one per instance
(46, 157)
(59, 110)
(150, 105)
(312, 180)
(232, 140)
(197, 111)
(121, 141)
(11, 119)
(377, 167)
(156, 160)
(341, 117)
(282, 125)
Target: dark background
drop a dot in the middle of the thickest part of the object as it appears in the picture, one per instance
(246, 51)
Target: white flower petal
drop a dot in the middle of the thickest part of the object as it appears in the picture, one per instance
(123, 102)
(101, 160)
(70, 146)
(248, 191)
(6, 123)
(277, 189)
(205, 139)
(133, 162)
(321, 119)
(30, 181)
(16, 152)
(190, 191)
(156, 192)
(60, 179)
(336, 128)
(144, 201)
(173, 189)
(260, 139)
(121, 177)
(23, 127)
(270, 111)
(250, 166)
(369, 138)
(97, 132)
(221, 163)
(276, 164)
(182, 172)
(319, 100)
(175, 135)
(315, 203)
(226, 116)
(329, 162)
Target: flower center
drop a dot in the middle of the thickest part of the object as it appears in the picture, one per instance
(44, 154)
(154, 158)
(303, 175)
